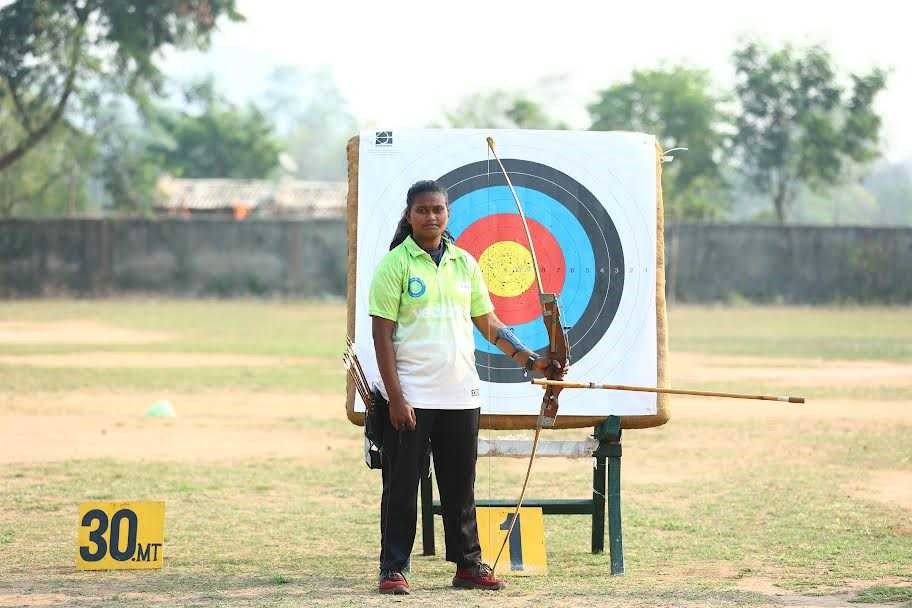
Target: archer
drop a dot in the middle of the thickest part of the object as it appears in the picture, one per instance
(425, 297)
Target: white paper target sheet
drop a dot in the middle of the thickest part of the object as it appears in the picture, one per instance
(590, 201)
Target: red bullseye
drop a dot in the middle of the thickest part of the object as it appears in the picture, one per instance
(501, 227)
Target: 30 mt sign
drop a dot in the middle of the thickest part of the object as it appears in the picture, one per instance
(120, 535)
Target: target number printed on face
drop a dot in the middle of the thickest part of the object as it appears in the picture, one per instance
(120, 535)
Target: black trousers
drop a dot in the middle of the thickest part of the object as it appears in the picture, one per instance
(452, 436)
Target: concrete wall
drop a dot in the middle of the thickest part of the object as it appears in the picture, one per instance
(206, 257)
(791, 264)
(794, 264)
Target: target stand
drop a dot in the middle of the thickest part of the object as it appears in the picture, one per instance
(604, 447)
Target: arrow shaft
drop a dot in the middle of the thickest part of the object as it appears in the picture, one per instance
(665, 391)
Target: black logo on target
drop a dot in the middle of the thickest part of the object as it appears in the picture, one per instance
(383, 138)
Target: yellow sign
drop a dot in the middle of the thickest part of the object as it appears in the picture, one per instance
(524, 554)
(120, 535)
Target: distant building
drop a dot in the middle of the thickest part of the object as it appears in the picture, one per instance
(242, 198)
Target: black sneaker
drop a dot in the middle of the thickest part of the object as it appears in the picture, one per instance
(392, 582)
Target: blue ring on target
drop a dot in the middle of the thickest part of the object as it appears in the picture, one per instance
(567, 231)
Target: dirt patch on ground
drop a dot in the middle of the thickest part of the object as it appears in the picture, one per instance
(104, 359)
(237, 406)
(33, 599)
(829, 410)
(73, 332)
(220, 426)
(827, 598)
(239, 425)
(888, 487)
(703, 368)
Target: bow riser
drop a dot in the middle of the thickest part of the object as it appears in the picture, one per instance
(558, 350)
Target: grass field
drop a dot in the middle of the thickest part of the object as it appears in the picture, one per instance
(269, 504)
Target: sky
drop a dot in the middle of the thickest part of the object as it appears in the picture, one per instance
(400, 63)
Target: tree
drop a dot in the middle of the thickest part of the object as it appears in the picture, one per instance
(677, 105)
(500, 109)
(126, 169)
(56, 178)
(798, 126)
(213, 138)
(56, 52)
(313, 120)
(891, 185)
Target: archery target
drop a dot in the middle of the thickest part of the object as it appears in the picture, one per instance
(575, 241)
(589, 199)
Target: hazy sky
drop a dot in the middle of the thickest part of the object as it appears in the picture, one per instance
(399, 63)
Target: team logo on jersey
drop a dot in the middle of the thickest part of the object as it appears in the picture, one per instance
(416, 287)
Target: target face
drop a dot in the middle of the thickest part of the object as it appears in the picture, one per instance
(579, 254)
(590, 202)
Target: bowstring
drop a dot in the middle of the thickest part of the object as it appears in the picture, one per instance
(490, 432)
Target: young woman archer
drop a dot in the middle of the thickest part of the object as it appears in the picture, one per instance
(425, 297)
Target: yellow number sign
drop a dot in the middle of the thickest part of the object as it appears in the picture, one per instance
(524, 554)
(120, 535)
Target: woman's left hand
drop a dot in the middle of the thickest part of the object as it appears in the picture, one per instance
(544, 366)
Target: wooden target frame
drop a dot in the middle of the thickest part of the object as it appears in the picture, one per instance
(521, 421)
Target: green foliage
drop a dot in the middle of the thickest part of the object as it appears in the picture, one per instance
(798, 126)
(678, 106)
(55, 180)
(57, 51)
(500, 109)
(213, 138)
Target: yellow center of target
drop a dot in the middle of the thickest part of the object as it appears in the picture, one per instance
(507, 268)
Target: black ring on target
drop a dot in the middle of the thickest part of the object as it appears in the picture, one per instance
(599, 229)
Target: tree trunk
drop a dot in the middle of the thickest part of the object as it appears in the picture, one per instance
(780, 200)
(35, 136)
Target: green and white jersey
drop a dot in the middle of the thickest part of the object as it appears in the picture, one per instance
(433, 308)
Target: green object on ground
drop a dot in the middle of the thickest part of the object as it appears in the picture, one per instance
(161, 409)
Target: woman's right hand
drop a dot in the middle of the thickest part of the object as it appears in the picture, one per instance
(402, 416)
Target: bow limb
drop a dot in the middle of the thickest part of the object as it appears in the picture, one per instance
(519, 501)
(558, 350)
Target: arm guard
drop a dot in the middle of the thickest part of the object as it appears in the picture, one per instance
(506, 334)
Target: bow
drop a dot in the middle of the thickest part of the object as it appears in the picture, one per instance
(558, 350)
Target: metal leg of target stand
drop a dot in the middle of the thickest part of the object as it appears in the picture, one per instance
(609, 436)
(427, 507)
(598, 501)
